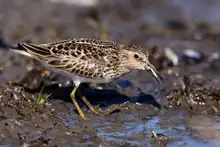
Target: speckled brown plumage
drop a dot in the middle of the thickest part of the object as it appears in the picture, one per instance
(89, 60)
(74, 56)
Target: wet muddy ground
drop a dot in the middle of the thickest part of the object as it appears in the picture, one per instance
(183, 38)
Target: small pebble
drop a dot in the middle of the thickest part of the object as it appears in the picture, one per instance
(192, 56)
(214, 57)
(88, 3)
(158, 136)
(171, 56)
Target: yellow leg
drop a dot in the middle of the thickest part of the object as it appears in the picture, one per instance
(90, 106)
(96, 111)
(76, 104)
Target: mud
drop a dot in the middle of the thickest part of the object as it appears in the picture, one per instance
(184, 111)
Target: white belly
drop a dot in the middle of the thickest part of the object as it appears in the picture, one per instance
(77, 79)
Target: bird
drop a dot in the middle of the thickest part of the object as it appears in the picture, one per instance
(87, 60)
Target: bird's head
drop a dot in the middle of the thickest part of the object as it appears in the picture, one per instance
(136, 57)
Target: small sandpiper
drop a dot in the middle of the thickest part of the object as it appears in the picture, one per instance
(89, 61)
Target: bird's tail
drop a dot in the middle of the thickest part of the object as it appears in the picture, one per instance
(19, 49)
(21, 52)
(32, 50)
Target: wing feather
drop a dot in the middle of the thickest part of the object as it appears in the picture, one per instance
(35, 50)
(81, 57)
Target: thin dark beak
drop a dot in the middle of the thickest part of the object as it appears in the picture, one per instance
(154, 72)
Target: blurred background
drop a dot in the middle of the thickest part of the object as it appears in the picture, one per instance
(177, 24)
(124, 21)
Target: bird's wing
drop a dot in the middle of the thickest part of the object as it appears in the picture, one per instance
(80, 57)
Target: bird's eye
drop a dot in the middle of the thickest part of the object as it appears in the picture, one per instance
(136, 56)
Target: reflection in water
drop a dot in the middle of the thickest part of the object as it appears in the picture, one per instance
(184, 129)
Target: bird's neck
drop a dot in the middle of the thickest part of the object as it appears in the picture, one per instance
(123, 68)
